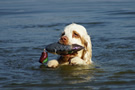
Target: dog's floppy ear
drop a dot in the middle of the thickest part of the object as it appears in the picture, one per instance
(87, 53)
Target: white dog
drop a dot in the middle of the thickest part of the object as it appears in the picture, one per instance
(74, 34)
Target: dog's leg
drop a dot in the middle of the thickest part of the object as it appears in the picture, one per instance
(52, 63)
(77, 61)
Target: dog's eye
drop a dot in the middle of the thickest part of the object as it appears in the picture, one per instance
(75, 35)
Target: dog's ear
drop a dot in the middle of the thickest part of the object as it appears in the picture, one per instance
(87, 53)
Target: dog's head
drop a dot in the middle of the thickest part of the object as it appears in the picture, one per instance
(77, 34)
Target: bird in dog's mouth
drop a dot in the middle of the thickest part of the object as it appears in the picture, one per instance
(66, 50)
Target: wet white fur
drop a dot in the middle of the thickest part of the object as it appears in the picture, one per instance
(77, 60)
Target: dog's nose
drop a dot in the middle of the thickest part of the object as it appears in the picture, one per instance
(64, 38)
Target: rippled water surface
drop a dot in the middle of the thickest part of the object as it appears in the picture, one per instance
(27, 26)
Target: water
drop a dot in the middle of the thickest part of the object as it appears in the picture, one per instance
(27, 26)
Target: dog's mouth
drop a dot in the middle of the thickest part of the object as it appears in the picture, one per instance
(70, 55)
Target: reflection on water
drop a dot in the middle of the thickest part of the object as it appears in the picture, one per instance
(26, 27)
(76, 74)
(66, 76)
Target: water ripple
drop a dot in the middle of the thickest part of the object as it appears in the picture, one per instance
(121, 12)
(39, 26)
(125, 72)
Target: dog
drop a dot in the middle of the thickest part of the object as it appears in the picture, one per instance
(74, 34)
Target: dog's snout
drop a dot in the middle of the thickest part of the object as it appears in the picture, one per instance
(64, 40)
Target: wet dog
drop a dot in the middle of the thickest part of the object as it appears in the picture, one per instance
(74, 34)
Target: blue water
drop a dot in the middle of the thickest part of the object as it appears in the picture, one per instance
(27, 26)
